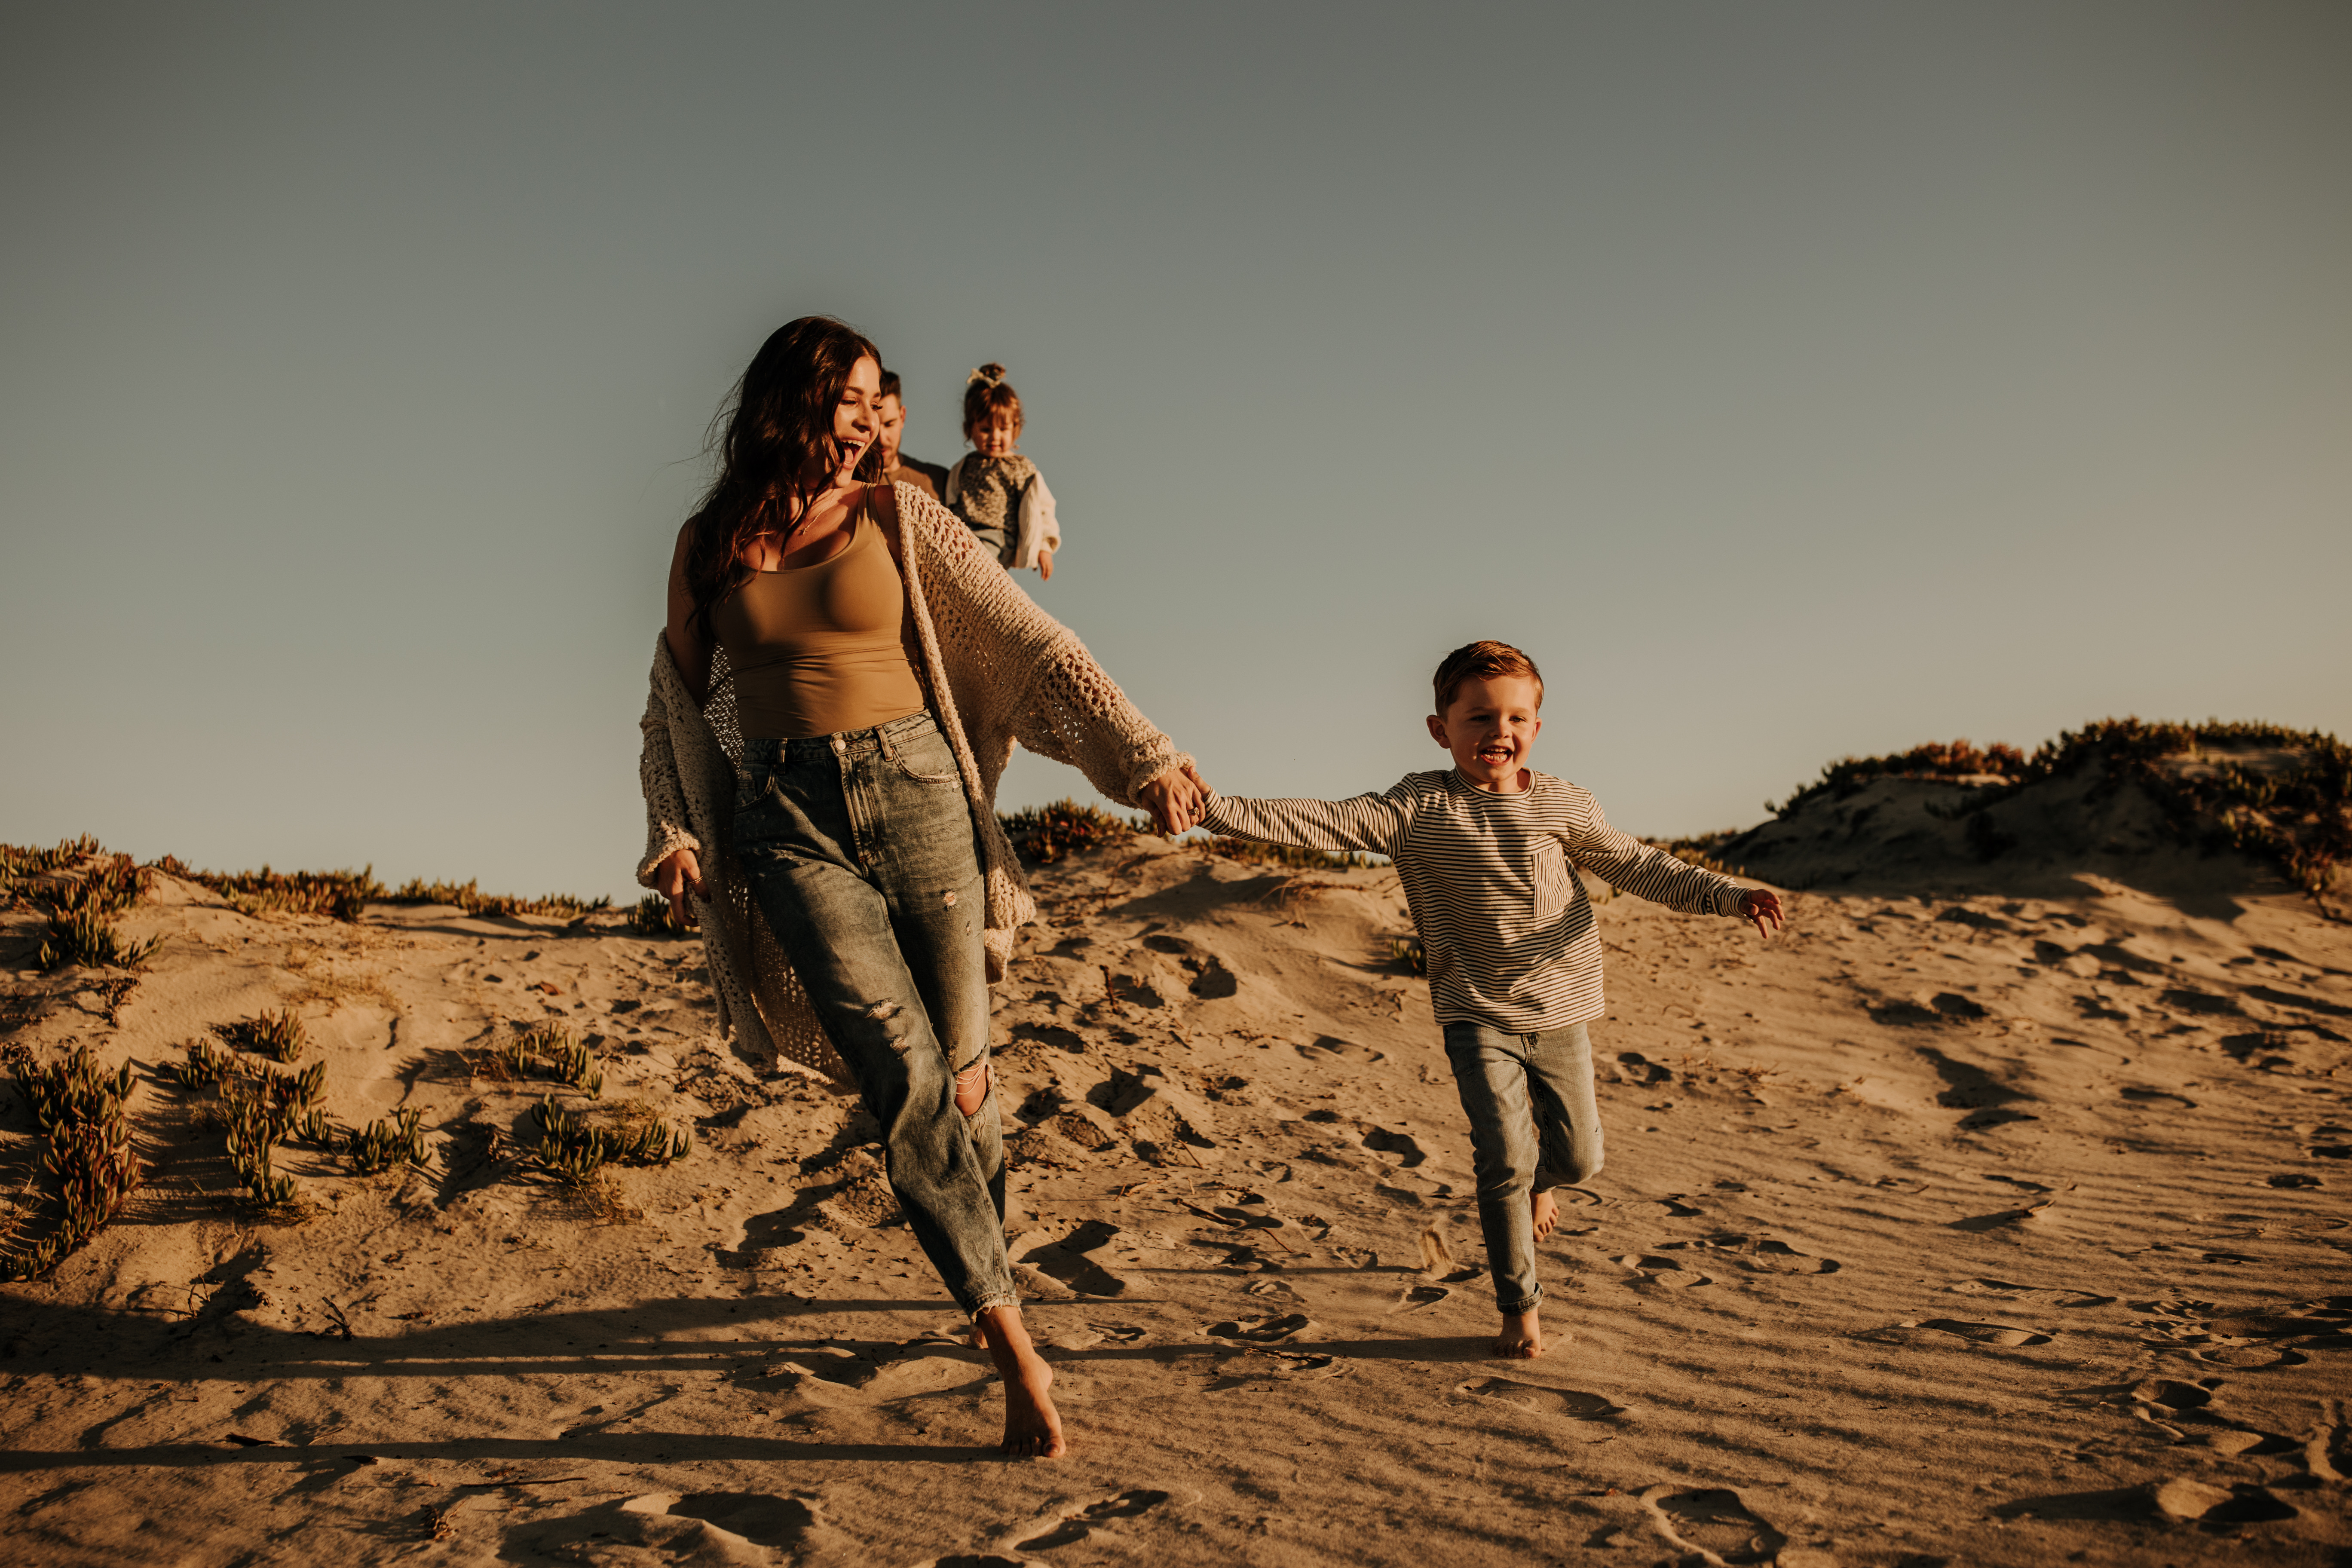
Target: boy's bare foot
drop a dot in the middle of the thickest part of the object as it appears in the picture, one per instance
(1522, 1336)
(1032, 1425)
(1547, 1213)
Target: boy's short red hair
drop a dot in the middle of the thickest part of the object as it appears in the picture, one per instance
(1482, 661)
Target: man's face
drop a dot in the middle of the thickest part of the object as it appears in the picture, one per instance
(894, 427)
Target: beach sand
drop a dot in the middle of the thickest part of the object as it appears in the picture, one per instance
(1998, 1229)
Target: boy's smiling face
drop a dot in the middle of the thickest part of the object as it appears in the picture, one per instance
(1491, 727)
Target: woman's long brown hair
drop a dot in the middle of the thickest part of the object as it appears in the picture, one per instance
(776, 428)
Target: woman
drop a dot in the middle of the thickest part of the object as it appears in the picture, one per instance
(856, 892)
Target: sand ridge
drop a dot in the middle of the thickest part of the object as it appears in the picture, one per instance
(1980, 1229)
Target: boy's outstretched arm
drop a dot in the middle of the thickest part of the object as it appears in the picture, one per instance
(1368, 825)
(1646, 872)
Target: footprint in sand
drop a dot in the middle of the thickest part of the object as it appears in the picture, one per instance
(1261, 1331)
(1422, 1295)
(2248, 1358)
(1409, 1153)
(1980, 1333)
(1077, 1527)
(1668, 1272)
(2040, 1296)
(1573, 1402)
(1066, 1260)
(1761, 1253)
(1714, 1523)
(1257, 1366)
(758, 1516)
(1117, 1333)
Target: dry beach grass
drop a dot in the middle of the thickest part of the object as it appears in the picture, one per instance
(1992, 1216)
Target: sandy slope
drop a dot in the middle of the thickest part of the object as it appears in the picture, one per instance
(2007, 1229)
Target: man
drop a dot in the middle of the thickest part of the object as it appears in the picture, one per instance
(897, 468)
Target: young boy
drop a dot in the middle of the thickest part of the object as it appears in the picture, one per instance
(1487, 851)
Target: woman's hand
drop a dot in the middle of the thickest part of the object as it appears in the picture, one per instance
(680, 873)
(1175, 799)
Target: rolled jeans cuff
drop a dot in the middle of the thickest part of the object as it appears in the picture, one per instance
(994, 1299)
(1529, 1305)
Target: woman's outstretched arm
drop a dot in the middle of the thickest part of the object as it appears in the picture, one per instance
(1068, 708)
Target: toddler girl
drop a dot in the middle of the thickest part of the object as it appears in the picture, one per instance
(999, 493)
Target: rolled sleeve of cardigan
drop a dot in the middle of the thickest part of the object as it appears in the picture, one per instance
(1076, 714)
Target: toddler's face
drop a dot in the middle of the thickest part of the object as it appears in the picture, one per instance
(1491, 728)
(998, 436)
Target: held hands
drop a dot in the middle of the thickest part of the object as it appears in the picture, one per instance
(680, 873)
(1758, 905)
(1175, 800)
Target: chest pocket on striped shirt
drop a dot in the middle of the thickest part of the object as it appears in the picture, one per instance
(1551, 875)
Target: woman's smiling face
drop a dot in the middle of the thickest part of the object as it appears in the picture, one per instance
(858, 418)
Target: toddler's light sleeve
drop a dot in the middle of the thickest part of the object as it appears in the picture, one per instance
(1365, 825)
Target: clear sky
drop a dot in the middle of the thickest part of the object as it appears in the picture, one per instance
(1790, 380)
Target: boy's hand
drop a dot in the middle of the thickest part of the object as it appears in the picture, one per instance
(1758, 905)
(1045, 564)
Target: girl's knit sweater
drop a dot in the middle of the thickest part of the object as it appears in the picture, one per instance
(1009, 496)
(995, 669)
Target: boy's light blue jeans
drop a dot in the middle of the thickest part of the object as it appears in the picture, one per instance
(859, 849)
(1534, 1125)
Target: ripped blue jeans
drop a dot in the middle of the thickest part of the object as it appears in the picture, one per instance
(859, 849)
(1535, 1125)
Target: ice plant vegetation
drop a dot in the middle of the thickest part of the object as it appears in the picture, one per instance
(87, 1153)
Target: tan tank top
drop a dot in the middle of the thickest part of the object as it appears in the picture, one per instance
(815, 648)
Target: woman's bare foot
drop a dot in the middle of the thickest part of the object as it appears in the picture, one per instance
(1032, 1425)
(1546, 1209)
(1522, 1336)
(971, 1088)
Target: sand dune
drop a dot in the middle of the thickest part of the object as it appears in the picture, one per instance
(1997, 1228)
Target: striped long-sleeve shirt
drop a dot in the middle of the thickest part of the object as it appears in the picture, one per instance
(1505, 926)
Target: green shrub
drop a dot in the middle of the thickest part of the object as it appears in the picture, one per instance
(342, 895)
(574, 1149)
(277, 1034)
(1042, 835)
(651, 916)
(88, 1154)
(380, 1146)
(544, 1050)
(89, 939)
(2299, 818)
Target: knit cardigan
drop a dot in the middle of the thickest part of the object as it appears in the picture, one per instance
(995, 670)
